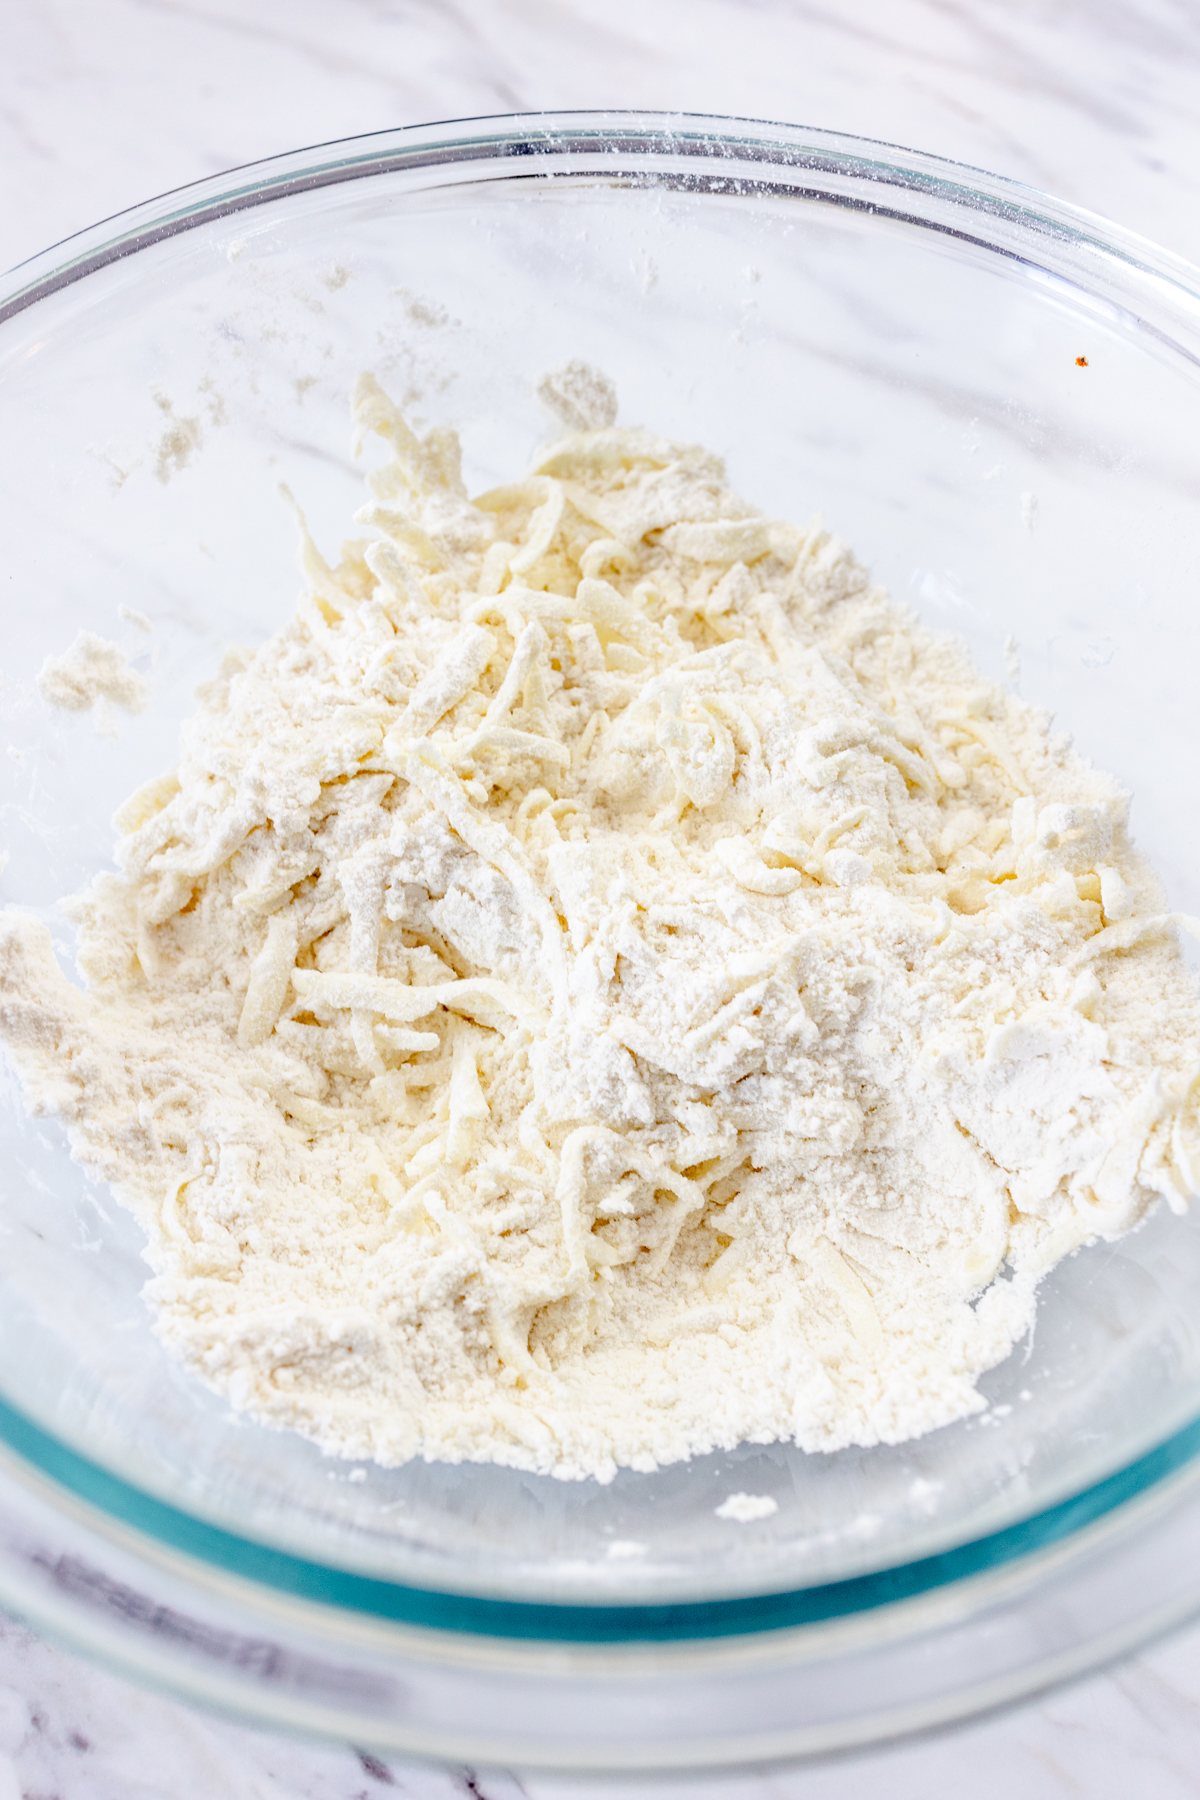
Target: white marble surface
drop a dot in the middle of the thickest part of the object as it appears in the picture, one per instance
(103, 102)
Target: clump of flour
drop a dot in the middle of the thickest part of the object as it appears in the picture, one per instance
(92, 669)
(604, 983)
(747, 1509)
(578, 397)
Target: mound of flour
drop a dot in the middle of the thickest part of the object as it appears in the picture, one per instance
(604, 983)
(92, 670)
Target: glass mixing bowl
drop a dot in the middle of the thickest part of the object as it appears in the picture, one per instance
(994, 397)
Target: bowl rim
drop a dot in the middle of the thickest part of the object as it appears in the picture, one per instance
(1149, 287)
(594, 1622)
(685, 137)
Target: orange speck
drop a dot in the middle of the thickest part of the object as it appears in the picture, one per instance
(1081, 362)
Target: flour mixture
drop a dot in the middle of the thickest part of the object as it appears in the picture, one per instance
(605, 983)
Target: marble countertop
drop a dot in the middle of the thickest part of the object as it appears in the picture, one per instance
(105, 103)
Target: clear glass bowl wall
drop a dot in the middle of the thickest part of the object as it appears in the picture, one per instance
(861, 333)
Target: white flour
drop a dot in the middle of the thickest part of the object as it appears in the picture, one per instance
(747, 1509)
(604, 983)
(93, 669)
